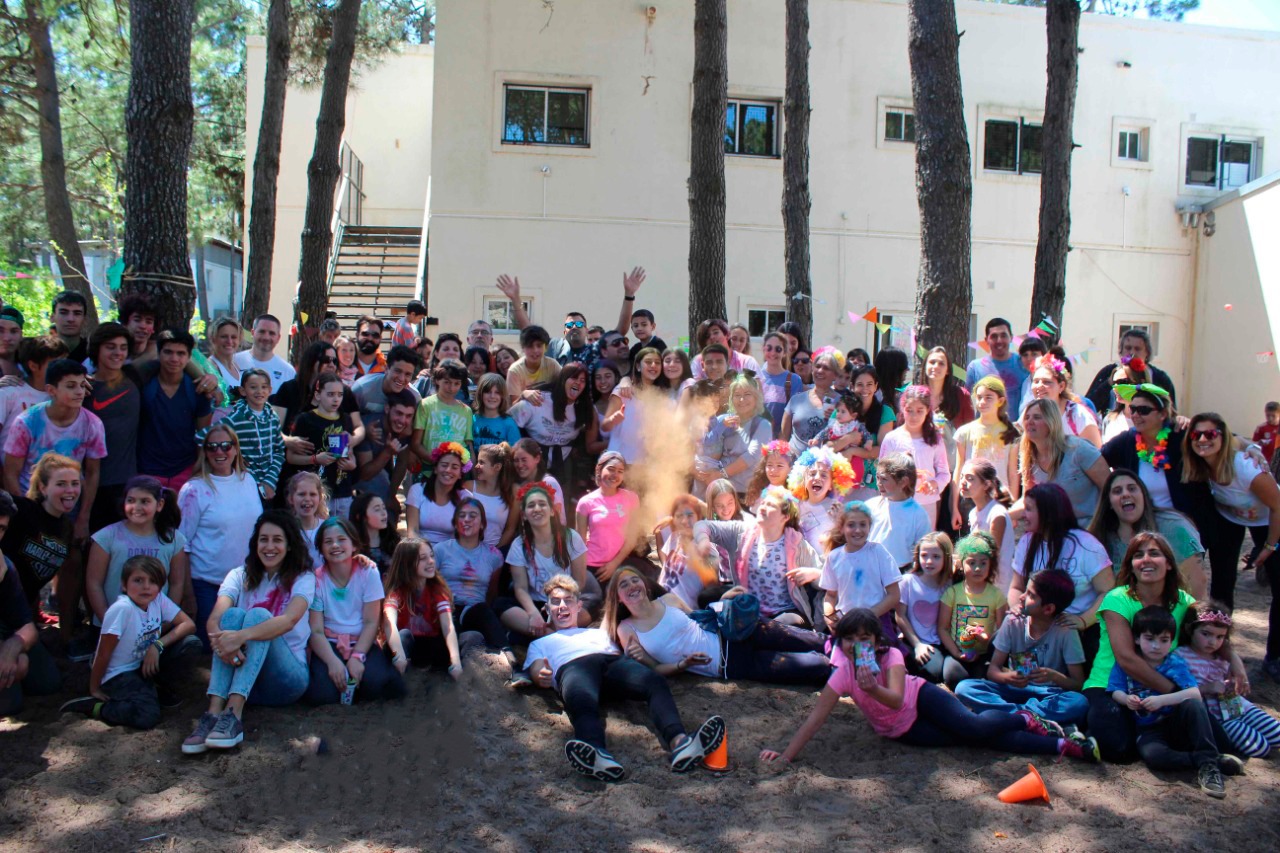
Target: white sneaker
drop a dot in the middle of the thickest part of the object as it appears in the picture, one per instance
(593, 762)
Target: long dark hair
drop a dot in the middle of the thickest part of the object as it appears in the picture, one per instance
(793, 329)
(168, 516)
(952, 390)
(686, 370)
(1105, 523)
(308, 373)
(532, 448)
(402, 577)
(559, 535)
(875, 412)
(359, 514)
(1172, 577)
(583, 411)
(891, 366)
(445, 336)
(455, 493)
(861, 619)
(296, 556)
(1057, 518)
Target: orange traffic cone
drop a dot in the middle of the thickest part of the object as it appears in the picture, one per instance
(718, 760)
(1029, 787)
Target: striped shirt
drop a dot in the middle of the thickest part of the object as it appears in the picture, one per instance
(261, 442)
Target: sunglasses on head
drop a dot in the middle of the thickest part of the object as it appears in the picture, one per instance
(574, 324)
(1139, 409)
(218, 446)
(1206, 434)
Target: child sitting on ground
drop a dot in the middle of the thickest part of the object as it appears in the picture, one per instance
(856, 572)
(145, 641)
(919, 598)
(971, 610)
(908, 709)
(1206, 650)
(418, 613)
(897, 521)
(1045, 660)
(1174, 731)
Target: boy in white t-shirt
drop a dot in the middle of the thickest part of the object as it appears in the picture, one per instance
(897, 521)
(146, 641)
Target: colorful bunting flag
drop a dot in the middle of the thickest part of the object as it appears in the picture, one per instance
(872, 316)
(854, 318)
(921, 351)
(883, 327)
(981, 346)
(958, 372)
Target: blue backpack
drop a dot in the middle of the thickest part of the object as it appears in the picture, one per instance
(734, 621)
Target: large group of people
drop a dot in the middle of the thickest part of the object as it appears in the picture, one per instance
(997, 562)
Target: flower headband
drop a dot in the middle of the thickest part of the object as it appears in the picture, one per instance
(1134, 363)
(782, 494)
(841, 471)
(445, 448)
(835, 354)
(975, 543)
(1214, 617)
(1048, 360)
(536, 486)
(1126, 392)
(782, 448)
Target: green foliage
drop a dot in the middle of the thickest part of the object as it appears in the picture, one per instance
(1166, 10)
(32, 296)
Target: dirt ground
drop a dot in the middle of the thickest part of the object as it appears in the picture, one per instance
(476, 766)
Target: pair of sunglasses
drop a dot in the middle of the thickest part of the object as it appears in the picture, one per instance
(1206, 434)
(574, 324)
(222, 446)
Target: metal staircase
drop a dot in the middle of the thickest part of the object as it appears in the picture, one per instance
(374, 271)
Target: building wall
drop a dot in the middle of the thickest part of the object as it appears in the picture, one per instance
(1234, 367)
(568, 232)
(388, 127)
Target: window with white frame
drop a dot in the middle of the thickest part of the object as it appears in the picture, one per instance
(751, 128)
(1131, 144)
(545, 115)
(899, 335)
(1012, 145)
(1220, 162)
(498, 311)
(762, 321)
(899, 124)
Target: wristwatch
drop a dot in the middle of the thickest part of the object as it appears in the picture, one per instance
(360, 656)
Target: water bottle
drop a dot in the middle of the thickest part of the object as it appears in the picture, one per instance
(349, 694)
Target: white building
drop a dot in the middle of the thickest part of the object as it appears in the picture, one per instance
(1170, 120)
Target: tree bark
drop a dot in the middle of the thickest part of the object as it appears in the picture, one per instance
(944, 186)
(266, 166)
(706, 163)
(1062, 22)
(157, 120)
(796, 200)
(322, 176)
(59, 218)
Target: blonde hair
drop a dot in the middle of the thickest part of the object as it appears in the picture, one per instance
(204, 469)
(322, 511)
(564, 583)
(1057, 440)
(42, 473)
(746, 383)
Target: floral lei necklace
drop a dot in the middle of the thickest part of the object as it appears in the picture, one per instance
(1156, 458)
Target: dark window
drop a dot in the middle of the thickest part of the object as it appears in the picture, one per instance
(1012, 146)
(1130, 145)
(899, 126)
(762, 321)
(751, 128)
(1219, 162)
(542, 116)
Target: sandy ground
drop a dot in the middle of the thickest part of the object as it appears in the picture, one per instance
(476, 766)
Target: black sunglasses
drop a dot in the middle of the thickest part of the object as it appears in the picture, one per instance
(1143, 411)
(222, 446)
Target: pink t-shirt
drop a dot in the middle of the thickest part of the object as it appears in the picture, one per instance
(607, 520)
(885, 721)
(32, 435)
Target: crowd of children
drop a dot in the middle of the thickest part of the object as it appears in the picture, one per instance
(319, 529)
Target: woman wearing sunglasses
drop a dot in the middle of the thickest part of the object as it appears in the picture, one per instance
(1246, 497)
(219, 507)
(1153, 449)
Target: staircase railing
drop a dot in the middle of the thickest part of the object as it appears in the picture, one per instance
(348, 205)
(420, 281)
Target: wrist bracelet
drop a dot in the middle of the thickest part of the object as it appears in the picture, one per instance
(158, 644)
(628, 299)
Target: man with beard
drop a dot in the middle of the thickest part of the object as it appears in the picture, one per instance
(480, 334)
(574, 346)
(383, 462)
(369, 359)
(373, 392)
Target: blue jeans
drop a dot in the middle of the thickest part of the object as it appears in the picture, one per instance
(1052, 703)
(206, 595)
(270, 674)
(941, 720)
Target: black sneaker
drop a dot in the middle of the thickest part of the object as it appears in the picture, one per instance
(81, 649)
(169, 698)
(593, 762)
(1210, 778)
(90, 706)
(1231, 765)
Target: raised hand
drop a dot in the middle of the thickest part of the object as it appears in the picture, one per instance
(630, 281)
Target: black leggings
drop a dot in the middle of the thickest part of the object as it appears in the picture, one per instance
(942, 720)
(1224, 558)
(380, 681)
(434, 651)
(481, 617)
(778, 654)
(1273, 618)
(585, 681)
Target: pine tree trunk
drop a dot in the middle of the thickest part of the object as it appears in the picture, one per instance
(157, 120)
(53, 164)
(1062, 21)
(706, 163)
(266, 166)
(796, 200)
(944, 186)
(322, 176)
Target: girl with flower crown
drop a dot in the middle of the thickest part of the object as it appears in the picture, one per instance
(772, 470)
(918, 437)
(819, 479)
(1052, 381)
(429, 507)
(544, 548)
